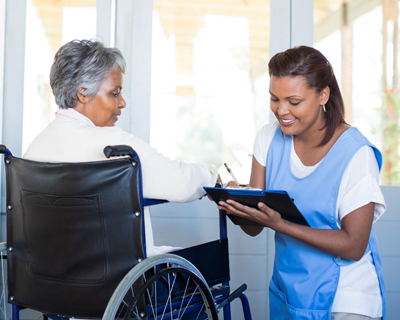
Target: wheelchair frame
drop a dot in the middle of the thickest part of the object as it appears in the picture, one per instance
(160, 266)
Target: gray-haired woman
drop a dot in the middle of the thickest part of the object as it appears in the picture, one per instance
(86, 79)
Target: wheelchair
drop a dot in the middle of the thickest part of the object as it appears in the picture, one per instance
(76, 247)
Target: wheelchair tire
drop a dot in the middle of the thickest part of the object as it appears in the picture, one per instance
(5, 308)
(162, 287)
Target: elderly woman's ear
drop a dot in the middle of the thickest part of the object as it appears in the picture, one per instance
(81, 98)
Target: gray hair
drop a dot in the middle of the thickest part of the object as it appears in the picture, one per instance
(82, 64)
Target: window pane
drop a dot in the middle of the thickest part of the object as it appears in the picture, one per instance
(209, 83)
(361, 41)
(49, 25)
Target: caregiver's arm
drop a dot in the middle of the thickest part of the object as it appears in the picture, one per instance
(350, 242)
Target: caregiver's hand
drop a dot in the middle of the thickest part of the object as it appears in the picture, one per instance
(264, 215)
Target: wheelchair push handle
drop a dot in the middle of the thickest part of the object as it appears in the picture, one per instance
(117, 151)
(4, 150)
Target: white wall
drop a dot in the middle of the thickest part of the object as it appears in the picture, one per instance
(388, 236)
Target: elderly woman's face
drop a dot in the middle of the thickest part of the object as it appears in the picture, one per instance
(108, 103)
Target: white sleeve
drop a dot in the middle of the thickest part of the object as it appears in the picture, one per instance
(360, 185)
(263, 141)
(168, 179)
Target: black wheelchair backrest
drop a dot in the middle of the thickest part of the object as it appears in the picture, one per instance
(73, 231)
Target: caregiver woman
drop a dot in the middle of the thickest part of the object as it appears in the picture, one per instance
(331, 270)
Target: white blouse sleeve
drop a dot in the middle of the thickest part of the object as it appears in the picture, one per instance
(360, 185)
(175, 181)
(263, 141)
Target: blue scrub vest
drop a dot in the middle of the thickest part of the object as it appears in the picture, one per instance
(305, 279)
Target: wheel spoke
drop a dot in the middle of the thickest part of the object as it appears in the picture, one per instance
(151, 304)
(136, 314)
(125, 303)
(130, 312)
(132, 292)
(166, 285)
(201, 309)
(169, 296)
(190, 300)
(155, 297)
(122, 308)
(170, 300)
(183, 297)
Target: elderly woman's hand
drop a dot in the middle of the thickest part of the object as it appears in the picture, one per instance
(232, 184)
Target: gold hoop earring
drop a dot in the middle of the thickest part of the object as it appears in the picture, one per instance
(323, 108)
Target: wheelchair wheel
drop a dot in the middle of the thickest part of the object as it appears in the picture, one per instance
(5, 309)
(162, 287)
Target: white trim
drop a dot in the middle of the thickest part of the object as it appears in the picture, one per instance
(291, 24)
(302, 23)
(14, 69)
(2, 49)
(134, 39)
(103, 23)
(279, 32)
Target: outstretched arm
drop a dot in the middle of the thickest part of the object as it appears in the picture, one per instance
(350, 242)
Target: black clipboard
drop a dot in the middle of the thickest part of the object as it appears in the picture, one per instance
(275, 199)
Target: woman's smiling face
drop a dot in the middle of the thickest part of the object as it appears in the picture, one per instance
(297, 107)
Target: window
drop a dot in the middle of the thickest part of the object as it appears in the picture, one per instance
(209, 89)
(49, 25)
(360, 39)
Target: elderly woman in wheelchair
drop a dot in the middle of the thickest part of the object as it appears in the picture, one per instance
(79, 239)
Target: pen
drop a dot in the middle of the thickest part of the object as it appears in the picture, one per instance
(231, 173)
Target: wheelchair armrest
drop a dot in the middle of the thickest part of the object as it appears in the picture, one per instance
(152, 202)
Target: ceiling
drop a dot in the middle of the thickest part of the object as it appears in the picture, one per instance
(185, 18)
(51, 11)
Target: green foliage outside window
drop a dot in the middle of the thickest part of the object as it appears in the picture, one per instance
(391, 135)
